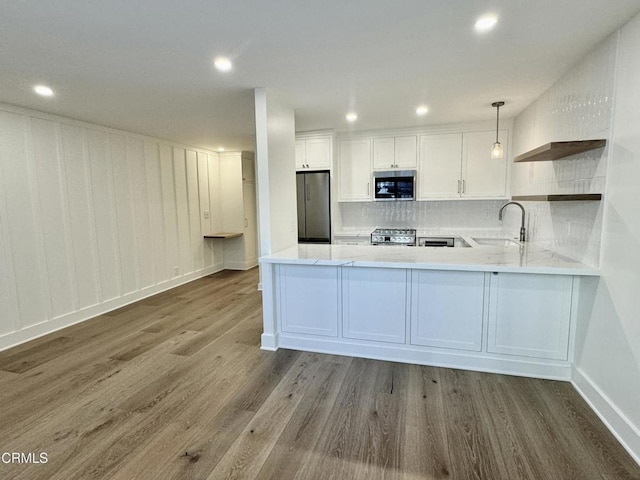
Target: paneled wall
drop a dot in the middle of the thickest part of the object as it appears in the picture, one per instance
(93, 218)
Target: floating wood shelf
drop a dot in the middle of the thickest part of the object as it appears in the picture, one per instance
(558, 150)
(224, 235)
(559, 197)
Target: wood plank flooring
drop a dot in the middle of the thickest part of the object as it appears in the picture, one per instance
(176, 387)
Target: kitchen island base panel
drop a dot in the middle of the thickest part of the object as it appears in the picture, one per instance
(522, 367)
(446, 318)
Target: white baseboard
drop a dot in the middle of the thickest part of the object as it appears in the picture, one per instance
(618, 424)
(249, 264)
(269, 342)
(477, 361)
(32, 332)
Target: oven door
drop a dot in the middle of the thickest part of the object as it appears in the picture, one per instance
(394, 185)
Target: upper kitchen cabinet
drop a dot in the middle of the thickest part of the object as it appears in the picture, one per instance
(483, 176)
(439, 171)
(395, 152)
(314, 153)
(354, 167)
(459, 165)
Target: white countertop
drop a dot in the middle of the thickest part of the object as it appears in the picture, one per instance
(522, 259)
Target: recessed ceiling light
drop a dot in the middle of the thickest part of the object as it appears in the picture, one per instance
(485, 23)
(422, 110)
(223, 64)
(43, 90)
(351, 116)
(221, 149)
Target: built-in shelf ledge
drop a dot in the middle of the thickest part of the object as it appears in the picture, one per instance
(558, 150)
(224, 235)
(559, 197)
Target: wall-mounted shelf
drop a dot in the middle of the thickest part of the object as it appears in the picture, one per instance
(559, 197)
(224, 235)
(558, 150)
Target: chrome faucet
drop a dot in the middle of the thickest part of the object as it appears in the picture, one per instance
(522, 229)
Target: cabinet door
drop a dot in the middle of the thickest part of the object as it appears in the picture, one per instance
(355, 170)
(250, 235)
(374, 304)
(318, 151)
(406, 152)
(301, 155)
(447, 309)
(383, 153)
(483, 176)
(439, 169)
(308, 299)
(530, 315)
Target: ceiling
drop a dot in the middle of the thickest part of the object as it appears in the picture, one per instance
(146, 66)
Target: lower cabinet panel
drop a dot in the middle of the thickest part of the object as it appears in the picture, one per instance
(447, 309)
(308, 299)
(374, 304)
(530, 315)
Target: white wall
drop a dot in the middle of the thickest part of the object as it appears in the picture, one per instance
(577, 107)
(275, 165)
(94, 218)
(608, 353)
(597, 98)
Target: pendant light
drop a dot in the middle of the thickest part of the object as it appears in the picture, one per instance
(496, 150)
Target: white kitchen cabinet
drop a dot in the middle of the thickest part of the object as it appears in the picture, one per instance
(313, 153)
(395, 152)
(308, 299)
(301, 154)
(459, 165)
(354, 179)
(447, 309)
(440, 170)
(237, 206)
(483, 176)
(530, 315)
(374, 304)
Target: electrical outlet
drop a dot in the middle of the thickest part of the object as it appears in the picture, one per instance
(206, 215)
(486, 214)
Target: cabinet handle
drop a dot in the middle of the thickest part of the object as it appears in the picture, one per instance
(459, 186)
(464, 186)
(391, 165)
(368, 186)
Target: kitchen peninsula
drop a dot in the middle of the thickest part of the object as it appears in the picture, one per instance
(507, 310)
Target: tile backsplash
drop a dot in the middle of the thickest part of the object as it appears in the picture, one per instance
(467, 215)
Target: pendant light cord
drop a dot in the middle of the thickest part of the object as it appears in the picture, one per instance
(497, 121)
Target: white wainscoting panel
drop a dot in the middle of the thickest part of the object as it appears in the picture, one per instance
(93, 218)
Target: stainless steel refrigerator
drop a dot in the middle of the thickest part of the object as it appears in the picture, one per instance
(314, 207)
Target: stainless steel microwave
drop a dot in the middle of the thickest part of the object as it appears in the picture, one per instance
(394, 185)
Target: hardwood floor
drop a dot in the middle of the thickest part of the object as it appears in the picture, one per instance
(176, 387)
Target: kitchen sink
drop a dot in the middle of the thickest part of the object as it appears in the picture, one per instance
(496, 242)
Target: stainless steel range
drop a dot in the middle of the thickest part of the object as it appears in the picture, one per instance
(393, 236)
